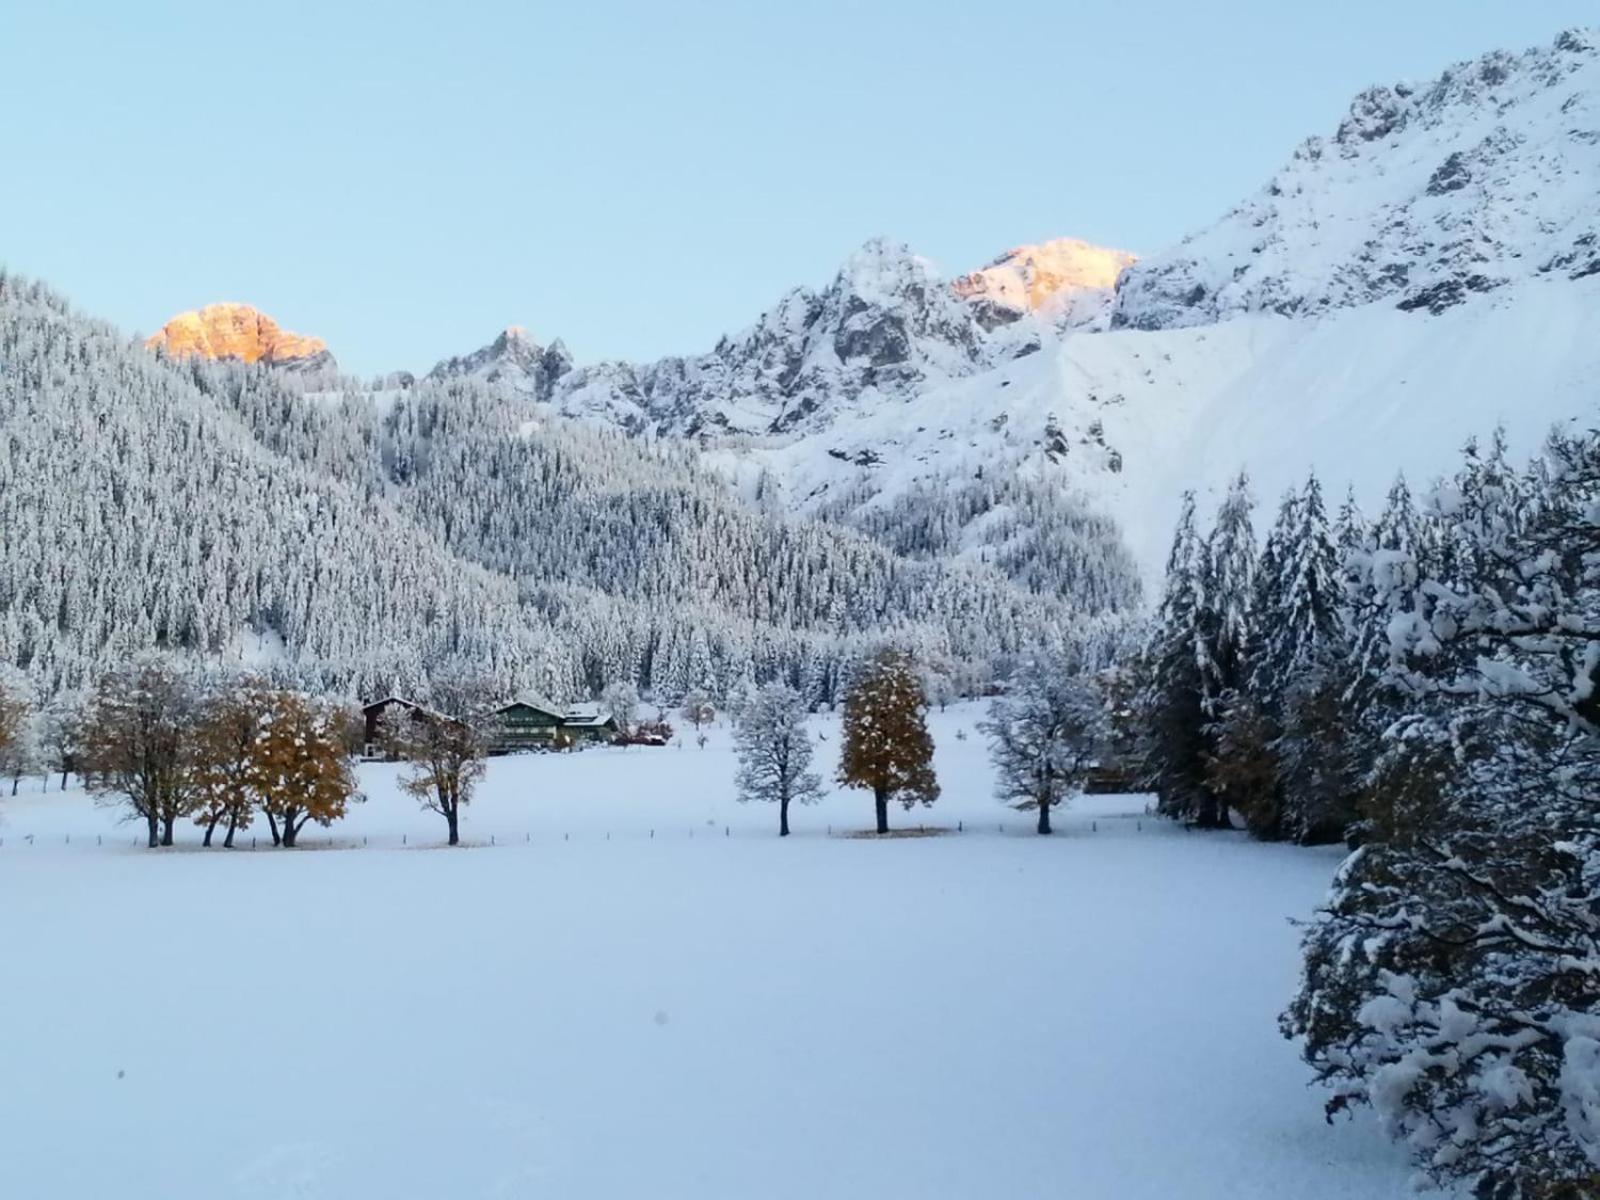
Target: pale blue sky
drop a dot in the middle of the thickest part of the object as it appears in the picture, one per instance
(404, 179)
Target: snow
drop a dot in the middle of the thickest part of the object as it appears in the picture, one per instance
(638, 989)
(1357, 395)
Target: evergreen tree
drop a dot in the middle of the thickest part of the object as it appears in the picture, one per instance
(1171, 703)
(1451, 982)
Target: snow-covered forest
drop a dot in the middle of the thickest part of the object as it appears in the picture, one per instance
(357, 540)
(1422, 687)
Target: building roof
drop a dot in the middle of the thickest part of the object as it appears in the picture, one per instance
(549, 710)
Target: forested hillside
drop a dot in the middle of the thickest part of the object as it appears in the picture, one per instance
(369, 537)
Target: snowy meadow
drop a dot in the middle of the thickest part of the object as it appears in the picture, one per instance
(625, 983)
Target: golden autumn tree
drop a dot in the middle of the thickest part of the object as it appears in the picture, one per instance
(887, 748)
(225, 752)
(137, 746)
(13, 714)
(300, 765)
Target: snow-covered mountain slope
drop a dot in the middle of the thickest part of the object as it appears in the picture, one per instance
(1130, 418)
(1426, 194)
(1071, 283)
(885, 327)
(1429, 271)
(512, 358)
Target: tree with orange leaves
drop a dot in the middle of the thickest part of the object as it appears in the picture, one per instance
(886, 743)
(300, 765)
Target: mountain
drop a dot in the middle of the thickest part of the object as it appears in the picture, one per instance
(1427, 271)
(1071, 282)
(513, 359)
(883, 328)
(355, 540)
(1426, 195)
(237, 331)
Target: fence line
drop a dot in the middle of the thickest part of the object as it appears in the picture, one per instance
(1066, 828)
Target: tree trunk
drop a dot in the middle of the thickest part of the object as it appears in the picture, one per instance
(15, 780)
(211, 827)
(881, 798)
(167, 823)
(63, 779)
(783, 816)
(154, 827)
(233, 825)
(1044, 816)
(452, 817)
(272, 824)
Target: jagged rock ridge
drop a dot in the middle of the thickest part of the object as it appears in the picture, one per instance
(238, 331)
(1425, 196)
(1071, 282)
(885, 326)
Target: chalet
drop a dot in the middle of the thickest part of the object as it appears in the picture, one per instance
(374, 714)
(538, 725)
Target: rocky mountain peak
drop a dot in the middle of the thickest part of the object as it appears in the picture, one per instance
(238, 331)
(1424, 196)
(512, 358)
(1066, 280)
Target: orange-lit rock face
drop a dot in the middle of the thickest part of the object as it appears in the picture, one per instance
(234, 331)
(1034, 278)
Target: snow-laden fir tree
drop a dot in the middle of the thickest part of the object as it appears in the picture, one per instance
(774, 751)
(1045, 733)
(1229, 586)
(1453, 981)
(1301, 671)
(1171, 740)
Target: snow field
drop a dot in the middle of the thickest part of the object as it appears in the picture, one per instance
(1089, 1015)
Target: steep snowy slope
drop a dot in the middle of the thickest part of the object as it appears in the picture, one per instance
(1430, 270)
(1425, 195)
(1130, 418)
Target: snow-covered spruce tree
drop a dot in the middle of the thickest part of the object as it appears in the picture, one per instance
(1228, 573)
(774, 751)
(1242, 733)
(1229, 586)
(1453, 982)
(886, 745)
(1302, 665)
(138, 743)
(1045, 733)
(1170, 704)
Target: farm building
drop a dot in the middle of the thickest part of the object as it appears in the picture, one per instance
(537, 725)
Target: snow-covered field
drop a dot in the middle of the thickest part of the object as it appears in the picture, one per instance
(705, 1012)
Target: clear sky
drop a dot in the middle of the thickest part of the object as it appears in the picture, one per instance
(405, 179)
